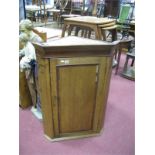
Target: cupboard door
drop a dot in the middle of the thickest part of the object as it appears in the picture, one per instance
(74, 84)
(79, 91)
(76, 95)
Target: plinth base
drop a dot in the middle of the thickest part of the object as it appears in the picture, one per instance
(71, 137)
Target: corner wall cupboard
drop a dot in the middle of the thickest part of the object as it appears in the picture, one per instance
(73, 76)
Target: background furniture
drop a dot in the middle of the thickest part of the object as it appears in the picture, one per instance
(24, 94)
(74, 76)
(47, 33)
(58, 9)
(100, 8)
(25, 98)
(124, 43)
(31, 12)
(76, 9)
(38, 11)
(123, 21)
(132, 28)
(90, 22)
(112, 8)
(123, 24)
(129, 70)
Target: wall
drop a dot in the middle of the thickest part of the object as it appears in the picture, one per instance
(21, 10)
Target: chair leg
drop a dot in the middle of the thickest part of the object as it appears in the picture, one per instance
(116, 53)
(77, 31)
(108, 34)
(118, 61)
(82, 32)
(85, 33)
(132, 63)
(126, 63)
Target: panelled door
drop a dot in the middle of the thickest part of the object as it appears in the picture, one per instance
(74, 83)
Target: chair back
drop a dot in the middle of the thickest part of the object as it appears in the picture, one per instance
(100, 8)
(124, 14)
(63, 4)
(76, 6)
(88, 8)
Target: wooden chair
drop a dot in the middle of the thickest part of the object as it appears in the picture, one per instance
(88, 8)
(93, 8)
(42, 13)
(58, 9)
(124, 19)
(122, 24)
(100, 8)
(76, 8)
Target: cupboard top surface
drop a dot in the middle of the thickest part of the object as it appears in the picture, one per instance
(73, 40)
(74, 46)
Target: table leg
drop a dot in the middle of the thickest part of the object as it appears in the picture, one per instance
(114, 34)
(63, 30)
(103, 35)
(98, 32)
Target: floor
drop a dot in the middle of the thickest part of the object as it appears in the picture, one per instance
(117, 138)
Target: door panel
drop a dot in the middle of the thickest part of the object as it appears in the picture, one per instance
(76, 90)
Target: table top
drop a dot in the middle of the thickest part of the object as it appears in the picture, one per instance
(90, 20)
(51, 33)
(32, 8)
(53, 10)
(37, 8)
(70, 15)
